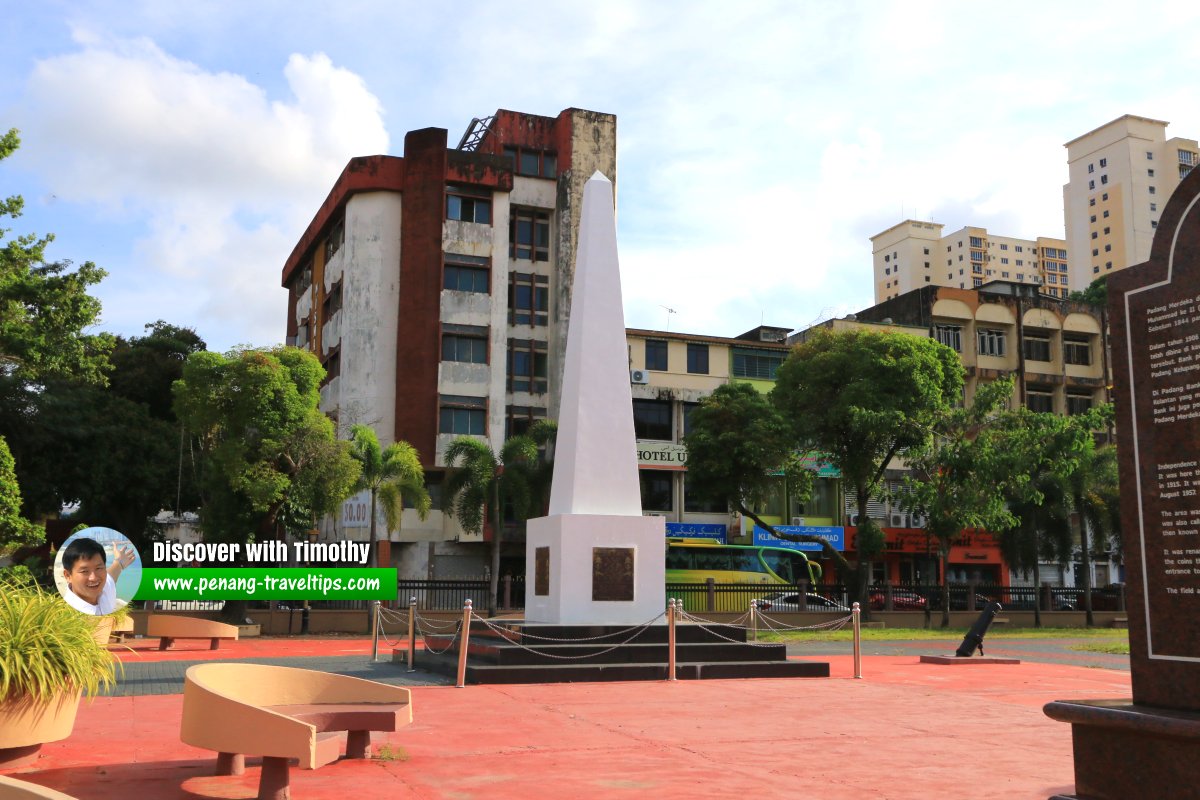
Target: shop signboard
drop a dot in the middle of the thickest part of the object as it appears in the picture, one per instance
(836, 536)
(697, 530)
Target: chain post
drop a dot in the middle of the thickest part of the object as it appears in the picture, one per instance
(856, 612)
(374, 630)
(412, 632)
(754, 620)
(462, 645)
(671, 639)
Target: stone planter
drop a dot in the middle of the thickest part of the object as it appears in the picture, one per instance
(26, 724)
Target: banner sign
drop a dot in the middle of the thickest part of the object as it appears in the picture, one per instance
(697, 530)
(662, 455)
(836, 536)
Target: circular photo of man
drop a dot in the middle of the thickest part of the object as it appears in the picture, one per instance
(97, 570)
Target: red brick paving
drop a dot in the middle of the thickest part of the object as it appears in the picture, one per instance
(907, 730)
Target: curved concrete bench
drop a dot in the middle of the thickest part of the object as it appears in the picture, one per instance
(13, 789)
(282, 713)
(168, 628)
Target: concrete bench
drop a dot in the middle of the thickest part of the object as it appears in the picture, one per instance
(168, 628)
(13, 789)
(283, 713)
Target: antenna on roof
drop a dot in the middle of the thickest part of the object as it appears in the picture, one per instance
(670, 311)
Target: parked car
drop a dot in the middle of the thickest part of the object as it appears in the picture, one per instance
(958, 601)
(902, 600)
(783, 601)
(1105, 599)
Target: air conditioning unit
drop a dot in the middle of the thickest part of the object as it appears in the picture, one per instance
(638, 376)
(917, 520)
(853, 520)
(897, 520)
(798, 521)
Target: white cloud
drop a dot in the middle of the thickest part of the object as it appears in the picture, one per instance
(224, 176)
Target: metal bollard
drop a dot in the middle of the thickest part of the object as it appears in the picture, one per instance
(462, 645)
(753, 620)
(856, 612)
(374, 630)
(671, 639)
(412, 632)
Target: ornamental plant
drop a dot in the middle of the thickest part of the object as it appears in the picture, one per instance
(47, 647)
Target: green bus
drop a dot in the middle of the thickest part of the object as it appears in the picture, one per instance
(695, 561)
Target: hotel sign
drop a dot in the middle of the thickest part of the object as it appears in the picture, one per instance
(662, 455)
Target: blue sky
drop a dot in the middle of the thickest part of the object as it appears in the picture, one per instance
(184, 147)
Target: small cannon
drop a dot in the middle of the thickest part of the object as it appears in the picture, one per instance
(974, 639)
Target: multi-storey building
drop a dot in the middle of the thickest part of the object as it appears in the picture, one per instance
(434, 287)
(1119, 178)
(913, 254)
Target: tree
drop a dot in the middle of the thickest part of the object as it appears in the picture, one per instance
(264, 445)
(1094, 492)
(15, 530)
(738, 449)
(392, 475)
(959, 474)
(1096, 293)
(483, 482)
(861, 397)
(45, 307)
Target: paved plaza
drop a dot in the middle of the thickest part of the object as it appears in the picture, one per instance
(906, 730)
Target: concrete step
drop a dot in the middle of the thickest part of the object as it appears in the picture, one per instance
(580, 673)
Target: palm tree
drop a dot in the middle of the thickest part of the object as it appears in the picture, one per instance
(393, 475)
(483, 481)
(1095, 497)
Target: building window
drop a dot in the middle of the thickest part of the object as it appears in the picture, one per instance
(1095, 235)
(1076, 349)
(1003, 260)
(1040, 399)
(1091, 168)
(1108, 248)
(333, 301)
(532, 163)
(1003, 274)
(1091, 201)
(1103, 179)
(1154, 206)
(519, 419)
(466, 273)
(697, 359)
(949, 335)
(656, 355)
(887, 258)
(337, 237)
(1091, 184)
(332, 364)
(699, 504)
(1107, 231)
(1078, 402)
(529, 234)
(1151, 190)
(1037, 347)
(1149, 156)
(976, 241)
(528, 363)
(1104, 197)
(465, 343)
(465, 416)
(926, 251)
(1052, 279)
(656, 489)
(1153, 223)
(977, 281)
(926, 265)
(990, 342)
(528, 299)
(927, 279)
(1095, 251)
(1149, 173)
(1103, 163)
(469, 204)
(756, 364)
(1106, 213)
(652, 420)
(1108, 265)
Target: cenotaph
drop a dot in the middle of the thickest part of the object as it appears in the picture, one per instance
(595, 559)
(1149, 746)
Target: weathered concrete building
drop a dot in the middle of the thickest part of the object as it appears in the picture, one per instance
(434, 287)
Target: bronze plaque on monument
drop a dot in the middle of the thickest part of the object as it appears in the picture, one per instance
(612, 573)
(541, 571)
(1155, 321)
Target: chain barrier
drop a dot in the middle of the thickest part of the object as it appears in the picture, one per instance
(507, 634)
(379, 620)
(706, 626)
(780, 627)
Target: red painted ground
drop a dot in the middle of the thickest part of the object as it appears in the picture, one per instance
(258, 647)
(907, 730)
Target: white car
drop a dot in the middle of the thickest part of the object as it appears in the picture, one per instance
(784, 601)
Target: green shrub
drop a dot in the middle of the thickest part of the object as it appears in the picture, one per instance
(47, 647)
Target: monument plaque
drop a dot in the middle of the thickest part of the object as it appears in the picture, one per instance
(612, 573)
(1148, 747)
(541, 574)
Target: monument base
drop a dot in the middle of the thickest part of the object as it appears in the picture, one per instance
(1125, 750)
(595, 568)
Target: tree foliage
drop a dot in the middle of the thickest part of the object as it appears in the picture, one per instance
(263, 442)
(15, 530)
(1096, 293)
(391, 475)
(861, 397)
(483, 482)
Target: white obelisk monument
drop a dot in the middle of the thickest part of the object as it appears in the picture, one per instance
(595, 558)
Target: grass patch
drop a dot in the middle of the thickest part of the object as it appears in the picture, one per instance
(1116, 635)
(387, 752)
(1116, 648)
